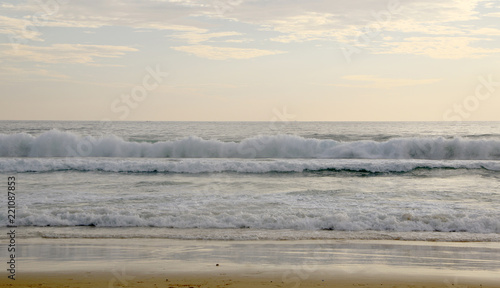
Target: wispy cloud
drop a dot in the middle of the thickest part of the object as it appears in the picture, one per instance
(439, 47)
(280, 21)
(372, 81)
(203, 36)
(486, 31)
(12, 74)
(493, 14)
(19, 29)
(305, 27)
(224, 53)
(63, 53)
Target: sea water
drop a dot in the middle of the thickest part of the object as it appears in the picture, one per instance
(254, 180)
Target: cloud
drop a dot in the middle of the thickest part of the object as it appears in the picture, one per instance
(285, 21)
(306, 27)
(166, 26)
(241, 40)
(197, 37)
(347, 22)
(13, 74)
(172, 16)
(159, 15)
(486, 32)
(412, 26)
(63, 53)
(493, 14)
(445, 11)
(224, 53)
(371, 81)
(19, 30)
(439, 47)
(343, 23)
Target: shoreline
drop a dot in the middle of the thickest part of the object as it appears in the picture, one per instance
(245, 234)
(214, 263)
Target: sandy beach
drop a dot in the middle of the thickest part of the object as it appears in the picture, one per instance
(225, 280)
(192, 263)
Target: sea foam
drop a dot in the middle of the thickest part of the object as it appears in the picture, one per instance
(193, 166)
(65, 144)
(444, 220)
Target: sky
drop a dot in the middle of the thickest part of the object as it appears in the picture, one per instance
(250, 60)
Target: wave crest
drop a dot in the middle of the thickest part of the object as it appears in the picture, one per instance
(65, 144)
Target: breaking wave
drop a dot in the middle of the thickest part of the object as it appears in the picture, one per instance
(64, 144)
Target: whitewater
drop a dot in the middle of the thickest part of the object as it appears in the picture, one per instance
(65, 144)
(251, 180)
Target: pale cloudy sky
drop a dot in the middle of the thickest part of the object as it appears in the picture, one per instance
(218, 60)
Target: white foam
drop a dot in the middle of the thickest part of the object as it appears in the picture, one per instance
(133, 165)
(247, 234)
(64, 144)
(277, 219)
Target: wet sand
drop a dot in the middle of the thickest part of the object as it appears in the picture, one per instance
(88, 279)
(310, 263)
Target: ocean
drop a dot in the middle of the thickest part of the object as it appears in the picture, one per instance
(429, 181)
